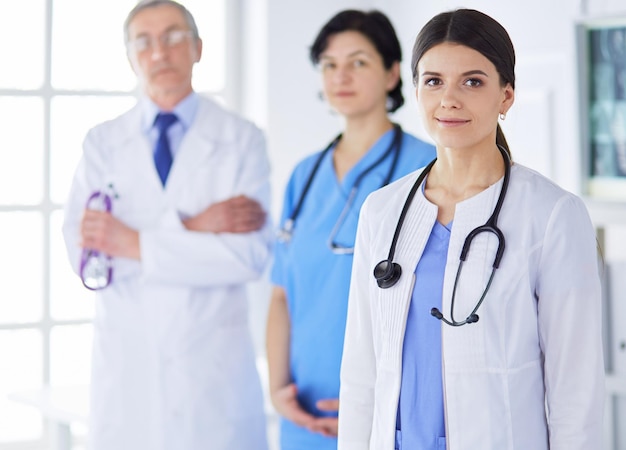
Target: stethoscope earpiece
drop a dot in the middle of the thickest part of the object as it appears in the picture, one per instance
(472, 318)
(387, 273)
(436, 313)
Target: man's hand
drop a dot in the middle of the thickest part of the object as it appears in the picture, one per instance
(101, 231)
(235, 215)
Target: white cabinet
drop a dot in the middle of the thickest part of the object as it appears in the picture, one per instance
(610, 221)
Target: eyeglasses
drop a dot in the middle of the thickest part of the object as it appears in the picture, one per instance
(169, 39)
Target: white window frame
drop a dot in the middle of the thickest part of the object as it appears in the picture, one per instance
(232, 98)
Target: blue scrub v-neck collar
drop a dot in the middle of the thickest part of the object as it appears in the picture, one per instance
(372, 154)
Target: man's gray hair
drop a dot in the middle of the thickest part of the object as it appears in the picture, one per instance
(145, 4)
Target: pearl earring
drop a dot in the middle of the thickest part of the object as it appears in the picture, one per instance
(502, 116)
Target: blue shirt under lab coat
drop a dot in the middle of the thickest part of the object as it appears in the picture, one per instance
(420, 424)
(317, 281)
(185, 111)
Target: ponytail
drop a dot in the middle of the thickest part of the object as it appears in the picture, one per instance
(501, 141)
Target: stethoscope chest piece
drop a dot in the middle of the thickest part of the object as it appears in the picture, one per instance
(387, 273)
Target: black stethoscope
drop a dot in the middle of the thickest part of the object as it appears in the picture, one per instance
(285, 233)
(387, 272)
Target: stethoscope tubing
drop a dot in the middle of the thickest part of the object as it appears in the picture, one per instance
(387, 272)
(395, 146)
(101, 201)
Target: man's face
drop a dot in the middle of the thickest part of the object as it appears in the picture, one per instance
(162, 51)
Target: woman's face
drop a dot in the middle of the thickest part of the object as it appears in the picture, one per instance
(355, 80)
(460, 96)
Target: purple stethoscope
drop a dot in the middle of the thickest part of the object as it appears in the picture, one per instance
(96, 268)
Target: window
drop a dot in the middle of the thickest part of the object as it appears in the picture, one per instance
(68, 72)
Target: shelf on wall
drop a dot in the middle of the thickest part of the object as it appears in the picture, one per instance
(606, 212)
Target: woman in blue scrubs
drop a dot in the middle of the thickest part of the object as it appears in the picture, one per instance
(359, 56)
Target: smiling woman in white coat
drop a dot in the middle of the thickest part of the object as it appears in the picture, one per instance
(474, 316)
(173, 361)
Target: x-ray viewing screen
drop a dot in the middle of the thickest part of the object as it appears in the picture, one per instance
(607, 101)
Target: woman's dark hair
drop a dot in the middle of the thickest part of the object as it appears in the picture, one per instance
(377, 28)
(477, 31)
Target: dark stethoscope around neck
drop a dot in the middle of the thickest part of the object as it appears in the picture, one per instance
(387, 272)
(285, 233)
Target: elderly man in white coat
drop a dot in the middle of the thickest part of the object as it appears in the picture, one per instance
(173, 361)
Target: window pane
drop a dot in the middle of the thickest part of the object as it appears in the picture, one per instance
(89, 53)
(21, 158)
(210, 72)
(69, 299)
(20, 370)
(71, 118)
(22, 27)
(70, 355)
(21, 263)
(98, 42)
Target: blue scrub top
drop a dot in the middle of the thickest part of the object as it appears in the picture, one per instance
(317, 281)
(420, 423)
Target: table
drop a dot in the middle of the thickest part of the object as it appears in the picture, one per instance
(62, 406)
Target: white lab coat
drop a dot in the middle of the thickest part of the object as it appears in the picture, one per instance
(173, 362)
(529, 374)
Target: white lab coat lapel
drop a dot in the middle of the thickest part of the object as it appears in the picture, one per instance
(197, 145)
(394, 302)
(140, 196)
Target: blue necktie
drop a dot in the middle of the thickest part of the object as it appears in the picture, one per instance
(162, 152)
